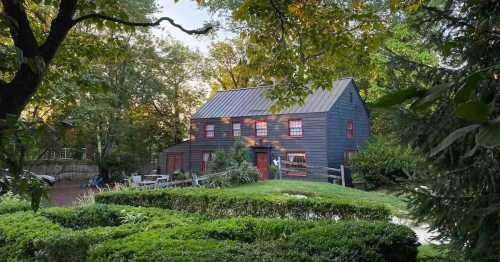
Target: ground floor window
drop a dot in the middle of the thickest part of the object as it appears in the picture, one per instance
(296, 164)
(174, 162)
(207, 156)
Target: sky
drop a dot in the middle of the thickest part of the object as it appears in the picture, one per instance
(187, 14)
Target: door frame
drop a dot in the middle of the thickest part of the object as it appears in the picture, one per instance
(175, 155)
(263, 149)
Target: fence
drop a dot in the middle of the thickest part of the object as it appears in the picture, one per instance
(321, 171)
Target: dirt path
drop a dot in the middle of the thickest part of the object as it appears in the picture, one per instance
(66, 193)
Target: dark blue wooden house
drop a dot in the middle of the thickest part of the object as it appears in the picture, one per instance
(325, 131)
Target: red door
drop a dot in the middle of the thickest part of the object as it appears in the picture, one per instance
(262, 165)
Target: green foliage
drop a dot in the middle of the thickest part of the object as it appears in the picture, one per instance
(18, 231)
(92, 225)
(244, 173)
(221, 203)
(74, 245)
(455, 123)
(239, 153)
(220, 162)
(168, 235)
(385, 163)
(397, 204)
(252, 239)
(232, 169)
(99, 215)
(10, 203)
(437, 253)
(296, 43)
(84, 217)
(227, 66)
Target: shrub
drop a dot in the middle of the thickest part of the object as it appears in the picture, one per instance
(10, 203)
(220, 203)
(372, 241)
(74, 245)
(18, 232)
(84, 217)
(244, 173)
(219, 163)
(233, 169)
(253, 239)
(384, 163)
(36, 237)
(100, 215)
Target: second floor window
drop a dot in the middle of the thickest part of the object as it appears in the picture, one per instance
(236, 129)
(209, 130)
(350, 129)
(260, 128)
(295, 128)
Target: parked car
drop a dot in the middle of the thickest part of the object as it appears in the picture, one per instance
(6, 178)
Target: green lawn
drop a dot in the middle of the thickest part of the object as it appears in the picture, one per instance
(396, 204)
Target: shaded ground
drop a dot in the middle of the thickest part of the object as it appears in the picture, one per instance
(66, 193)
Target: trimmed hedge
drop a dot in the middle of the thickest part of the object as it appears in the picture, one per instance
(219, 203)
(251, 239)
(10, 203)
(100, 215)
(74, 245)
(48, 235)
(165, 235)
(18, 231)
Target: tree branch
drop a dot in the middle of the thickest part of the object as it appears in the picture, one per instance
(20, 28)
(201, 31)
(59, 28)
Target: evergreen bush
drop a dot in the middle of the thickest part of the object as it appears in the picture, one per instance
(384, 163)
(221, 203)
(233, 169)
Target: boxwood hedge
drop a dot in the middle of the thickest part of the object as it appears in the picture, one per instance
(260, 240)
(19, 230)
(219, 203)
(166, 235)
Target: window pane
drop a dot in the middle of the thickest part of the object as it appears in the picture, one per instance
(295, 128)
(350, 129)
(296, 164)
(236, 129)
(261, 128)
(209, 130)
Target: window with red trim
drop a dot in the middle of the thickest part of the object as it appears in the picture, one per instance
(209, 130)
(295, 128)
(348, 154)
(296, 164)
(260, 128)
(236, 129)
(350, 129)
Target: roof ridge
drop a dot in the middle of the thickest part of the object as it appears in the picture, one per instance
(268, 86)
(244, 88)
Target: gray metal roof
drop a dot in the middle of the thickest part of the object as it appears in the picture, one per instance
(253, 102)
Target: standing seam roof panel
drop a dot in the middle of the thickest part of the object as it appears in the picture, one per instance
(252, 102)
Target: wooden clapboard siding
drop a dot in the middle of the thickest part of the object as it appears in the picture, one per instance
(324, 137)
(343, 111)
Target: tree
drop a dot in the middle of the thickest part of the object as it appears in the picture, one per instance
(35, 58)
(32, 41)
(227, 66)
(301, 46)
(459, 193)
